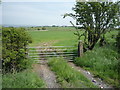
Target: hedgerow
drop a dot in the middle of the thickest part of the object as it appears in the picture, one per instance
(118, 41)
(14, 42)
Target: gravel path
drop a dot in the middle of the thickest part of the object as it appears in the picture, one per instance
(90, 76)
(47, 75)
(44, 71)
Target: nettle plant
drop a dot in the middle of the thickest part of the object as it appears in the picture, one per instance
(14, 42)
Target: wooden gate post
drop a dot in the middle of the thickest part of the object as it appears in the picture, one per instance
(80, 48)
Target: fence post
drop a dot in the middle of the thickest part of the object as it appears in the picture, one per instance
(80, 48)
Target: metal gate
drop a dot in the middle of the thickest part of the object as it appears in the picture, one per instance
(43, 53)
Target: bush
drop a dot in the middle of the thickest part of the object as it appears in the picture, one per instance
(118, 41)
(38, 28)
(118, 48)
(14, 42)
(43, 28)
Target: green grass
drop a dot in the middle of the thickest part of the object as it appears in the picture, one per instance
(25, 79)
(103, 62)
(60, 36)
(0, 81)
(67, 76)
(51, 28)
(63, 37)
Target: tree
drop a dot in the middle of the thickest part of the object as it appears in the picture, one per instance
(96, 18)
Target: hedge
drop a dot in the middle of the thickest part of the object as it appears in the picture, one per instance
(14, 42)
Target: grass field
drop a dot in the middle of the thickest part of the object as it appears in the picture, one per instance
(60, 36)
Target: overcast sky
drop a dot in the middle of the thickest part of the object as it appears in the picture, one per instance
(36, 12)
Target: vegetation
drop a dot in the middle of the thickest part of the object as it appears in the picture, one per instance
(38, 28)
(118, 49)
(103, 62)
(97, 22)
(63, 36)
(0, 81)
(67, 76)
(96, 18)
(24, 79)
(43, 28)
(16, 66)
(14, 42)
(118, 42)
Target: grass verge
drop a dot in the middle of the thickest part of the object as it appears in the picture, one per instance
(67, 76)
(25, 79)
(103, 62)
(0, 81)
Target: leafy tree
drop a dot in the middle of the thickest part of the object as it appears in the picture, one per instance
(96, 18)
(14, 42)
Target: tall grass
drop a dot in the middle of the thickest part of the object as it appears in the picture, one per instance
(25, 79)
(103, 62)
(67, 76)
(0, 81)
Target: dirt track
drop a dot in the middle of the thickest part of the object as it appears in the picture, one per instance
(97, 81)
(47, 75)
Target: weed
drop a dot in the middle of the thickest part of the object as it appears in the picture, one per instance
(103, 62)
(25, 79)
(67, 76)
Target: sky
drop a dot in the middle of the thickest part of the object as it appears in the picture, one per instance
(36, 13)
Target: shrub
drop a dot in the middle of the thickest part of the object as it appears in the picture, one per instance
(14, 42)
(118, 41)
(118, 48)
(43, 28)
(38, 28)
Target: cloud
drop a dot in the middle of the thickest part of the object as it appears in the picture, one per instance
(36, 13)
(38, 0)
(0, 14)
